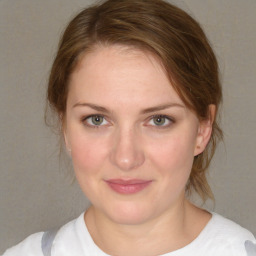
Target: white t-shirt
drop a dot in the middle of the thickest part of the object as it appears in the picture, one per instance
(220, 237)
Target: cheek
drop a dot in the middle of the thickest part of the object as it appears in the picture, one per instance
(174, 155)
(88, 157)
(87, 154)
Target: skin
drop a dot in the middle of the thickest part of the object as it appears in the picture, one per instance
(129, 92)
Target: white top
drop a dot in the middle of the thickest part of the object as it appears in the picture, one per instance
(219, 237)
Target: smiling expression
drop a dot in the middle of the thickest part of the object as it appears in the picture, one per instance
(131, 137)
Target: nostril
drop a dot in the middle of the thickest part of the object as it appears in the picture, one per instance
(127, 162)
(127, 159)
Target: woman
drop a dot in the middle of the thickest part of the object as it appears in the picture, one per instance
(135, 86)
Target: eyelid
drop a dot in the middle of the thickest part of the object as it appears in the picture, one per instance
(85, 118)
(170, 119)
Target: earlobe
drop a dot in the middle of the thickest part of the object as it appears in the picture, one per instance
(64, 133)
(65, 136)
(68, 148)
(205, 131)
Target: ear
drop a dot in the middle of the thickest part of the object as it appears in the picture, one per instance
(205, 131)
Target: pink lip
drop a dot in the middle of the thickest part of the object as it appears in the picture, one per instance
(128, 186)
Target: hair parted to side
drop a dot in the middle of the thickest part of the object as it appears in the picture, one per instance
(163, 30)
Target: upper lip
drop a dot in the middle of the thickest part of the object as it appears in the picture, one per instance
(128, 181)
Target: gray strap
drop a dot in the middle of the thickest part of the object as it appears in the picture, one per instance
(250, 248)
(47, 240)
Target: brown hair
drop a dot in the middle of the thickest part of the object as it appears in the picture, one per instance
(168, 33)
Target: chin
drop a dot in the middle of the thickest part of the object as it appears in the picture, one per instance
(129, 214)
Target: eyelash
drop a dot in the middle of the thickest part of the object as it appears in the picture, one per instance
(169, 119)
(85, 121)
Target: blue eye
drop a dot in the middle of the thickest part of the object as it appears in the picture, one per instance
(95, 120)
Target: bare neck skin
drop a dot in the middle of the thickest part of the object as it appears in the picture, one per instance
(174, 229)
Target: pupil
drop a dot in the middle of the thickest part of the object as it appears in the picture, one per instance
(97, 120)
(159, 120)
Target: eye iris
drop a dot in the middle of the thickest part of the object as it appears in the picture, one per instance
(97, 120)
(159, 120)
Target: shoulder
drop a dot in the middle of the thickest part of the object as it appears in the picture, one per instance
(33, 244)
(221, 236)
(71, 239)
(228, 229)
(30, 246)
(74, 239)
(228, 236)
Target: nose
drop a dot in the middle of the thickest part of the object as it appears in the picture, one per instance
(127, 151)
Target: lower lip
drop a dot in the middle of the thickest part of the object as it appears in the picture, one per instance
(128, 188)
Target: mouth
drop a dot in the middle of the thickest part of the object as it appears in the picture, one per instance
(128, 186)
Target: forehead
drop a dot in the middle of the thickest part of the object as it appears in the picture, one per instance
(102, 56)
(114, 72)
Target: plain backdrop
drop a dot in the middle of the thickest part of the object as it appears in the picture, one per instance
(36, 192)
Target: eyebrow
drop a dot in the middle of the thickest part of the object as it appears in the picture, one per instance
(93, 106)
(145, 111)
(162, 107)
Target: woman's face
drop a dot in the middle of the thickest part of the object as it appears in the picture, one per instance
(131, 137)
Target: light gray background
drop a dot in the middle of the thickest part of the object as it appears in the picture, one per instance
(35, 191)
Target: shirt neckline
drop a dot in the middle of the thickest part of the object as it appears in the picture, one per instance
(82, 227)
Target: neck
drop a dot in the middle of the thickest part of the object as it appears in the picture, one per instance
(174, 229)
